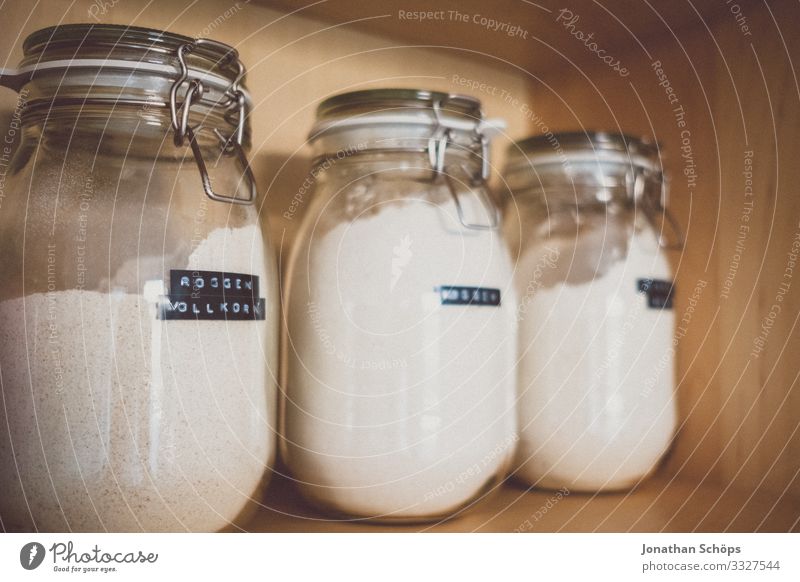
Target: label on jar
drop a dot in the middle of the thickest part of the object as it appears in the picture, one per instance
(659, 292)
(476, 296)
(212, 295)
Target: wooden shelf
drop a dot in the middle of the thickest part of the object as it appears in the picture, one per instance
(739, 414)
(658, 505)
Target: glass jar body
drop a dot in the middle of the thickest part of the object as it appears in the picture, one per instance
(120, 417)
(398, 405)
(596, 371)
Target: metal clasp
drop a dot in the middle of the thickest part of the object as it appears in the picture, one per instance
(206, 180)
(491, 209)
(437, 147)
(656, 211)
(232, 145)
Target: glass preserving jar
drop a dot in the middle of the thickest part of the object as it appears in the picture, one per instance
(138, 300)
(400, 344)
(596, 369)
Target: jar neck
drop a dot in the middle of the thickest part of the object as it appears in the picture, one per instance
(408, 151)
(586, 186)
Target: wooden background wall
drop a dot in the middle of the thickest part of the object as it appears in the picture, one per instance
(740, 93)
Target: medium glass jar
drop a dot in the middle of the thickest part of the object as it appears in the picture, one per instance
(400, 338)
(138, 304)
(596, 370)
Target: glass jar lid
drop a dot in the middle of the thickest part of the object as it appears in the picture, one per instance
(594, 168)
(398, 107)
(105, 60)
(404, 120)
(448, 129)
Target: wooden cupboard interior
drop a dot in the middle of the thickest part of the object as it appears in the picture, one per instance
(715, 83)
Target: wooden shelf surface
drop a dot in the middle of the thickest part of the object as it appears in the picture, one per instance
(658, 505)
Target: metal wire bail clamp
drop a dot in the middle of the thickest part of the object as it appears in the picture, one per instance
(231, 145)
(656, 210)
(437, 147)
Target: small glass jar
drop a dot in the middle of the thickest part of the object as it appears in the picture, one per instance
(138, 305)
(400, 337)
(596, 370)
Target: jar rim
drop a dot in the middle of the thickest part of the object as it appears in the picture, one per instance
(395, 98)
(598, 145)
(112, 66)
(109, 50)
(398, 107)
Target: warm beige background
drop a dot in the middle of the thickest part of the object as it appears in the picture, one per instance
(739, 92)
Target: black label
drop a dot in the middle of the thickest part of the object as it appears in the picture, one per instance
(659, 293)
(212, 295)
(479, 296)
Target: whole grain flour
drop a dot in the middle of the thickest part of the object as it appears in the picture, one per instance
(116, 420)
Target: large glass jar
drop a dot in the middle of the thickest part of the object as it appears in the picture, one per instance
(597, 350)
(138, 302)
(400, 340)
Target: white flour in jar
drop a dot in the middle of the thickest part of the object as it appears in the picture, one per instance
(596, 374)
(124, 422)
(398, 406)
